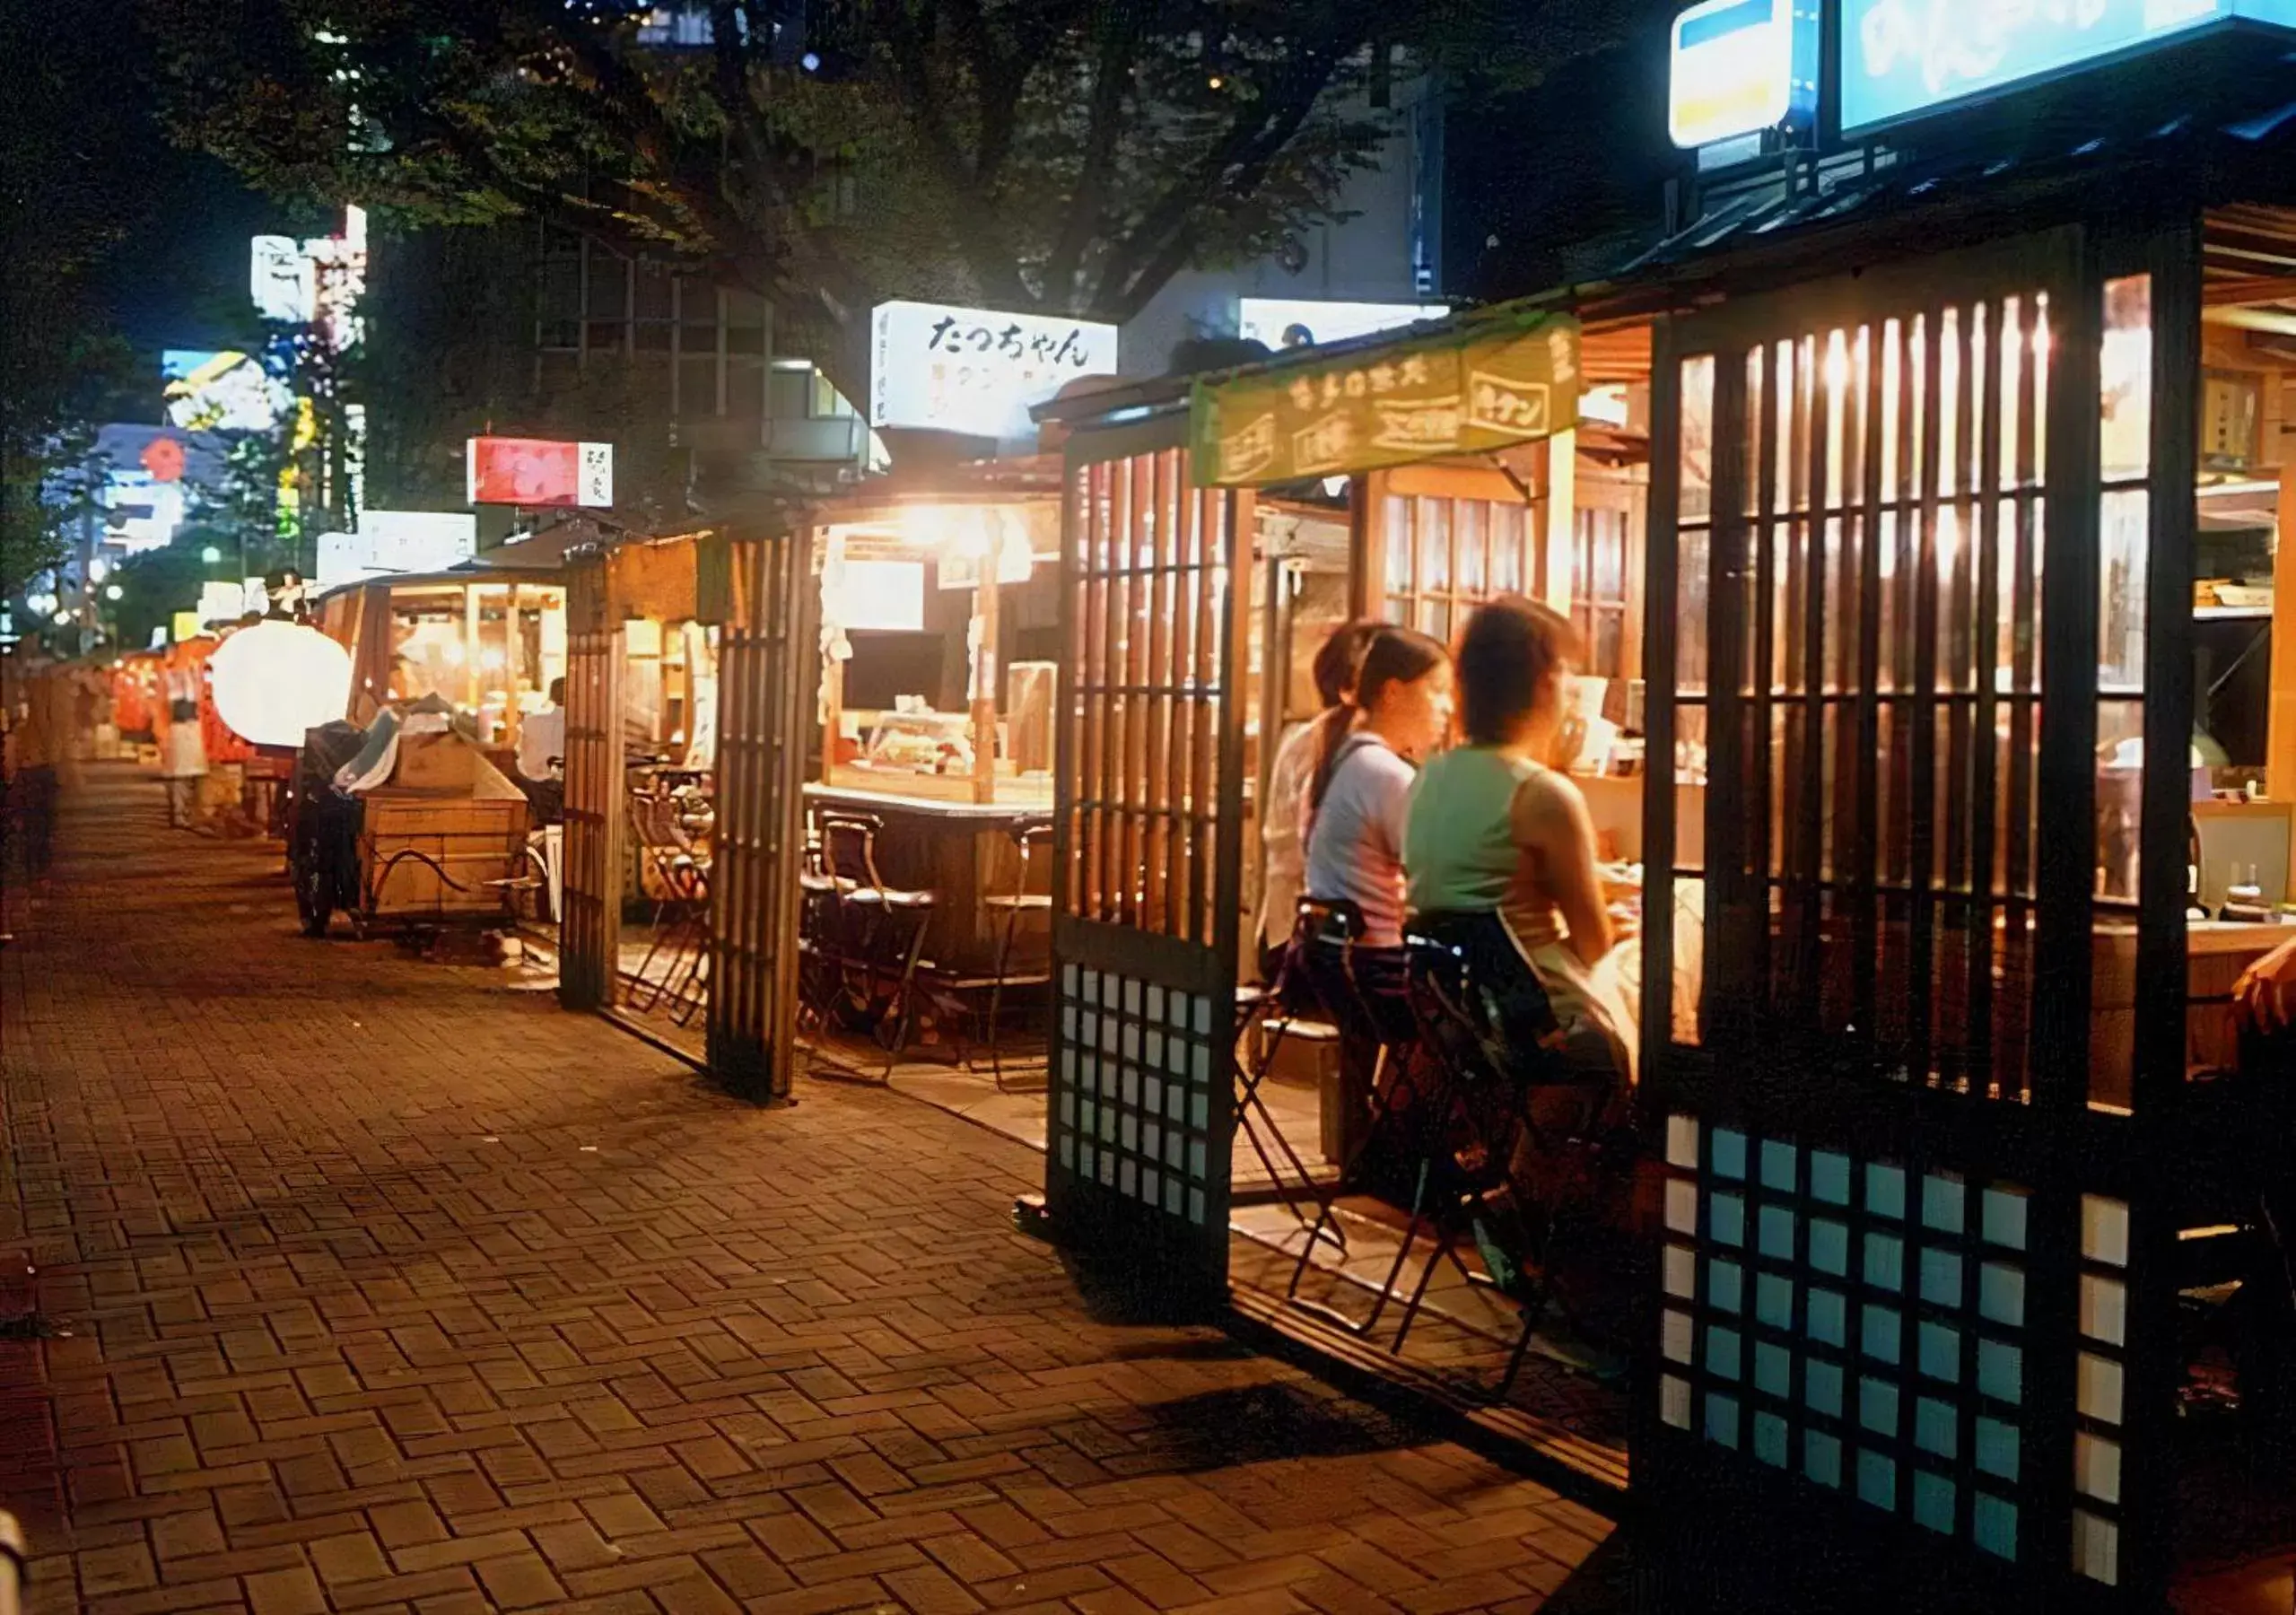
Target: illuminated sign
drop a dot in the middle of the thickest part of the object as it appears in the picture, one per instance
(315, 282)
(1904, 58)
(536, 471)
(887, 595)
(1290, 322)
(1452, 393)
(281, 280)
(1740, 66)
(220, 392)
(397, 541)
(974, 371)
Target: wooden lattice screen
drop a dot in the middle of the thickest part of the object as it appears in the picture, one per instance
(590, 925)
(1149, 860)
(1904, 1278)
(767, 674)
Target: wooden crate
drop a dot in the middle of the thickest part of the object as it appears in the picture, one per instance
(472, 842)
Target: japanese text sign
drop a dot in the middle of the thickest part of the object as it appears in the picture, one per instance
(1904, 58)
(974, 371)
(1388, 407)
(534, 471)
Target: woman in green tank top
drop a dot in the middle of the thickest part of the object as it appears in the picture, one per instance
(1493, 830)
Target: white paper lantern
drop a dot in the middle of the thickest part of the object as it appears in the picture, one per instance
(274, 680)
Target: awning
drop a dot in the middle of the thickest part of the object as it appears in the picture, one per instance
(1460, 391)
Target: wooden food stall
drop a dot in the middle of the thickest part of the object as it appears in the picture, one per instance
(489, 639)
(938, 645)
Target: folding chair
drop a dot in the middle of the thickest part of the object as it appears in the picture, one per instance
(1487, 1026)
(878, 935)
(1258, 1007)
(1338, 924)
(681, 914)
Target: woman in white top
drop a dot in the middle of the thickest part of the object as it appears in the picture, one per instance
(1283, 866)
(1357, 806)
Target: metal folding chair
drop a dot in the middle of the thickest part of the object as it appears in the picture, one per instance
(681, 914)
(1488, 1028)
(878, 940)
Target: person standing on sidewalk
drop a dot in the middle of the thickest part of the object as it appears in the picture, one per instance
(183, 756)
(35, 744)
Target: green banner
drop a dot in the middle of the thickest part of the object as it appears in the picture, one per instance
(1458, 393)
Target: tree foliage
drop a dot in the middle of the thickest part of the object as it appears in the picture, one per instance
(70, 196)
(1057, 156)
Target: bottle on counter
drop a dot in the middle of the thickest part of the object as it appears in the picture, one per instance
(2244, 898)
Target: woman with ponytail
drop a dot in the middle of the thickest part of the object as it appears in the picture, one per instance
(1357, 804)
(1339, 663)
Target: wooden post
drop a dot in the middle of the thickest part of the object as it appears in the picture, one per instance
(2280, 732)
(832, 673)
(513, 681)
(470, 647)
(1558, 488)
(984, 681)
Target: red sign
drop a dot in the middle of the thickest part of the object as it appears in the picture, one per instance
(163, 458)
(536, 471)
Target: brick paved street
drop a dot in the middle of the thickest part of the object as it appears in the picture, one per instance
(374, 1284)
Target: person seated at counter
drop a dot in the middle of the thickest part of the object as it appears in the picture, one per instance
(1368, 751)
(1494, 831)
(1338, 666)
(542, 757)
(2264, 1010)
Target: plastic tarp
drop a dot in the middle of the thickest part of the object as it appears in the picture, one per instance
(377, 758)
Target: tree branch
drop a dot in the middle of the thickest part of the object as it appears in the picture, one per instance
(973, 215)
(1118, 39)
(1233, 168)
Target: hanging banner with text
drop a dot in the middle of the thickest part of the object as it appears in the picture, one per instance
(1460, 393)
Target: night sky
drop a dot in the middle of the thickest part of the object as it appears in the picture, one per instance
(1569, 177)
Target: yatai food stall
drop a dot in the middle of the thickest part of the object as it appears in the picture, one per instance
(938, 644)
(488, 637)
(1968, 1273)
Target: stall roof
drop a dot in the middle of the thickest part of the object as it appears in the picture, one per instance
(2066, 167)
(540, 557)
(2051, 178)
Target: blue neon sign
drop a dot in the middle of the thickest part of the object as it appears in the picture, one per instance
(1903, 57)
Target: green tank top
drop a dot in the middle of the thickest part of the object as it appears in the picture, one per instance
(1459, 848)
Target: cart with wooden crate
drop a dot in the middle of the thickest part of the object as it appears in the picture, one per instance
(440, 839)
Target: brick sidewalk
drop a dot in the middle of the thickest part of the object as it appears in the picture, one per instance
(376, 1285)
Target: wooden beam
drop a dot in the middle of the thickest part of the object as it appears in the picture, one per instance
(984, 678)
(470, 647)
(2280, 726)
(2249, 289)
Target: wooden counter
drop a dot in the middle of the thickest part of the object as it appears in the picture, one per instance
(963, 850)
(2216, 952)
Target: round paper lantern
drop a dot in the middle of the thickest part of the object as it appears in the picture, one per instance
(273, 680)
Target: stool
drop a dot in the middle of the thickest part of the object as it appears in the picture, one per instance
(880, 932)
(1028, 840)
